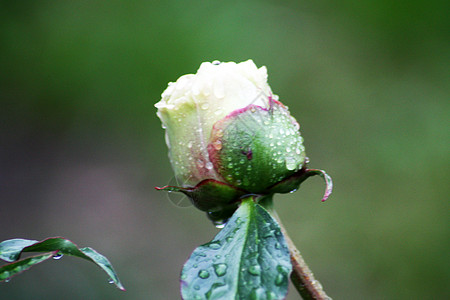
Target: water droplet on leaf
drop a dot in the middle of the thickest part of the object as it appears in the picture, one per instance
(203, 274)
(220, 226)
(258, 294)
(220, 269)
(57, 256)
(213, 287)
(279, 279)
(255, 270)
(215, 245)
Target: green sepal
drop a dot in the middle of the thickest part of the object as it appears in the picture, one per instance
(248, 259)
(292, 183)
(218, 199)
(11, 250)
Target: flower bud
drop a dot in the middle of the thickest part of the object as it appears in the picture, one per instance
(191, 106)
(226, 131)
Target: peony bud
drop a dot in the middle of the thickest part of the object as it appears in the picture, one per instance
(228, 134)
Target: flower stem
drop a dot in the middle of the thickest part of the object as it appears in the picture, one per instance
(302, 277)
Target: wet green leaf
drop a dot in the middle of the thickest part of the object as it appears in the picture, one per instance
(9, 270)
(10, 251)
(248, 259)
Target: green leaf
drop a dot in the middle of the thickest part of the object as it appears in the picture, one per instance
(9, 270)
(10, 250)
(248, 259)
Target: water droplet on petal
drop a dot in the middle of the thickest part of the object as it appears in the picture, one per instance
(217, 145)
(110, 281)
(204, 106)
(200, 163)
(209, 165)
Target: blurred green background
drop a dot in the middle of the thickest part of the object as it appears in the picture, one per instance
(81, 147)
